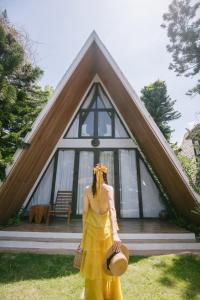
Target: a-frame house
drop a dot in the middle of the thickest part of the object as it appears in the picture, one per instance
(95, 115)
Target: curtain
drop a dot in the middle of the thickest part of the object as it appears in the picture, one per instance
(104, 124)
(129, 207)
(85, 176)
(120, 131)
(107, 158)
(88, 99)
(106, 102)
(87, 128)
(42, 194)
(65, 171)
(151, 200)
(73, 131)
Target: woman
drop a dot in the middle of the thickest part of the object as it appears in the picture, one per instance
(99, 234)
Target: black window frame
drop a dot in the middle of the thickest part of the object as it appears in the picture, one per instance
(96, 111)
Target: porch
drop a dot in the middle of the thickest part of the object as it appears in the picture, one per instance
(142, 237)
(59, 224)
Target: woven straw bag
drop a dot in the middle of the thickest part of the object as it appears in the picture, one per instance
(78, 259)
(79, 254)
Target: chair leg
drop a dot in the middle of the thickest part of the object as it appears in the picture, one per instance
(31, 215)
(68, 218)
(47, 219)
(45, 214)
(54, 215)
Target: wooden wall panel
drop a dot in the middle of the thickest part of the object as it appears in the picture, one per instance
(15, 189)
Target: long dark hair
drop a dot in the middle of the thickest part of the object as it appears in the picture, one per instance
(94, 182)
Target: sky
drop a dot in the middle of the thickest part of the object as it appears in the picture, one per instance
(130, 30)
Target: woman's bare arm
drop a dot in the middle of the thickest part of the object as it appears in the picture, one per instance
(84, 214)
(113, 217)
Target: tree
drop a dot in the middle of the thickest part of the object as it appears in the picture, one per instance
(183, 30)
(194, 135)
(160, 106)
(21, 98)
(189, 165)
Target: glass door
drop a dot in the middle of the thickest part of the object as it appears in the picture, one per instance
(122, 175)
(107, 158)
(85, 176)
(129, 205)
(64, 172)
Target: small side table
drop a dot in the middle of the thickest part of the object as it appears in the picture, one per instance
(38, 212)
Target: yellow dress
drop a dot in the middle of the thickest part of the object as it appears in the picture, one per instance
(97, 238)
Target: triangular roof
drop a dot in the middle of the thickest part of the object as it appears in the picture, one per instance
(94, 59)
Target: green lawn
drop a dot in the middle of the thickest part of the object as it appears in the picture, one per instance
(40, 276)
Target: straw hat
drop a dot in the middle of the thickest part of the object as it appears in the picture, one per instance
(116, 263)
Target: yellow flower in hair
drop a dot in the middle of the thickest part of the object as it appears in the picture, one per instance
(99, 170)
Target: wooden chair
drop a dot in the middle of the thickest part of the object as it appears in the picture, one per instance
(62, 206)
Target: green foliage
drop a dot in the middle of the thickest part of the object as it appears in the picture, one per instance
(196, 210)
(189, 166)
(185, 223)
(16, 218)
(160, 106)
(52, 276)
(183, 30)
(21, 99)
(194, 135)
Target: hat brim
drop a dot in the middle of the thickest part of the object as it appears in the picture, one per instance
(123, 249)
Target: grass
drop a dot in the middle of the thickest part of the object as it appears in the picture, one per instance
(41, 276)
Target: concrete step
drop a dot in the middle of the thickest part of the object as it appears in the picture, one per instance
(133, 247)
(77, 240)
(78, 235)
(67, 243)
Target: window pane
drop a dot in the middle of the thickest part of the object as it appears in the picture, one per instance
(42, 194)
(65, 171)
(87, 128)
(119, 128)
(73, 131)
(94, 104)
(129, 206)
(104, 124)
(152, 203)
(89, 98)
(100, 103)
(104, 99)
(107, 158)
(85, 176)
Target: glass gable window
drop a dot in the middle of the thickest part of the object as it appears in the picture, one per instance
(88, 99)
(87, 128)
(73, 130)
(104, 123)
(103, 99)
(120, 131)
(100, 104)
(97, 118)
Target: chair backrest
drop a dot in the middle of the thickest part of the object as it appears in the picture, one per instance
(63, 201)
